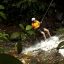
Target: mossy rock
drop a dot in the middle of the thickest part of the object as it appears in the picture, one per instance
(15, 35)
(8, 59)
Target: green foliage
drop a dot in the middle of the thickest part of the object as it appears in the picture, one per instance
(8, 59)
(1, 7)
(26, 33)
(60, 31)
(15, 35)
(4, 49)
(2, 15)
(28, 27)
(21, 26)
(27, 30)
(31, 32)
(3, 36)
(22, 10)
(23, 36)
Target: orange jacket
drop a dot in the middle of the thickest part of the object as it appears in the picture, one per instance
(35, 24)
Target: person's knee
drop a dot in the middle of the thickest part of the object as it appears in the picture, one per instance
(43, 35)
(42, 32)
(46, 30)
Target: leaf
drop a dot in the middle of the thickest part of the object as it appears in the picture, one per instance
(28, 27)
(15, 35)
(3, 15)
(0, 34)
(8, 59)
(30, 32)
(23, 36)
(21, 26)
(60, 31)
(61, 45)
(1, 7)
(4, 36)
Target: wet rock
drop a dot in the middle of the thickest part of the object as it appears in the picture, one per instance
(43, 57)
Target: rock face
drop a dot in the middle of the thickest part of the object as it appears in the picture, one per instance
(52, 57)
(43, 53)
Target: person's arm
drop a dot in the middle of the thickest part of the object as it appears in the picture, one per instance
(41, 22)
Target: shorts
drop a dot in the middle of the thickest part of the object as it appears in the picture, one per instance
(40, 30)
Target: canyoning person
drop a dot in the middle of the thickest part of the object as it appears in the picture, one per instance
(36, 26)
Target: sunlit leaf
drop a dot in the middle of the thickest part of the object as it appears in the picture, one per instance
(28, 27)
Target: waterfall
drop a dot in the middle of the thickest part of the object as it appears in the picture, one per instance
(46, 45)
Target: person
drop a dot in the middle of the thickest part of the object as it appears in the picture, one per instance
(36, 26)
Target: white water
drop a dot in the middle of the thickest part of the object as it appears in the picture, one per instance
(46, 45)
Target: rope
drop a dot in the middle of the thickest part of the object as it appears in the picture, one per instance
(47, 10)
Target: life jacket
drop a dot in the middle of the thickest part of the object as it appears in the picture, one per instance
(35, 24)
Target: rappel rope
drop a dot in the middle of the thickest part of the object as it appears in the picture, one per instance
(47, 10)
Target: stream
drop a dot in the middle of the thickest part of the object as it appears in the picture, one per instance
(47, 45)
(44, 52)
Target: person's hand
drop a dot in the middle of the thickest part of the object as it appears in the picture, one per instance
(41, 22)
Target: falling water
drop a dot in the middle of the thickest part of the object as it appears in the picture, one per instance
(46, 45)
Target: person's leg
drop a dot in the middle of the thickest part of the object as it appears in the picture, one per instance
(47, 31)
(43, 34)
